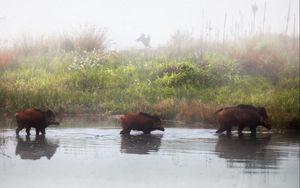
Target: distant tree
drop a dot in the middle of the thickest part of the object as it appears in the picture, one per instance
(264, 17)
(288, 18)
(254, 10)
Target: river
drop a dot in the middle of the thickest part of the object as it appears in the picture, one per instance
(94, 154)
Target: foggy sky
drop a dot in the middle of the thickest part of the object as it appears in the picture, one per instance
(125, 20)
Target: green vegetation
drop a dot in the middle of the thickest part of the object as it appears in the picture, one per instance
(178, 81)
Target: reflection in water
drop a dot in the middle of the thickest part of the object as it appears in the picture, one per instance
(35, 149)
(2, 143)
(249, 151)
(181, 158)
(140, 144)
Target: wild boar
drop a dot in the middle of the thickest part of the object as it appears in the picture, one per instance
(242, 116)
(140, 122)
(33, 117)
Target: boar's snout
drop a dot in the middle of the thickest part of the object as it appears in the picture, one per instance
(51, 118)
(159, 125)
(268, 126)
(53, 122)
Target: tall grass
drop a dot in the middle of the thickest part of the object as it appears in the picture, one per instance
(184, 82)
(86, 38)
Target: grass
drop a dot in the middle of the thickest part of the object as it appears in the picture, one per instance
(188, 85)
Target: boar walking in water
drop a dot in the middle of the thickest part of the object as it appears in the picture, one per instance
(242, 116)
(33, 117)
(140, 122)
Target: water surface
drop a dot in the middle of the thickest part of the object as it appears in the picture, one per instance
(93, 154)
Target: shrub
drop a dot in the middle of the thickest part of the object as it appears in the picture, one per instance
(90, 38)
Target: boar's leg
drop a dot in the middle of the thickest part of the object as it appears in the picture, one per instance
(240, 129)
(222, 128)
(228, 130)
(28, 130)
(125, 131)
(253, 130)
(146, 132)
(19, 129)
(43, 131)
(37, 131)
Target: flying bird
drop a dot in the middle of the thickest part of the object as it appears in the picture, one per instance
(145, 40)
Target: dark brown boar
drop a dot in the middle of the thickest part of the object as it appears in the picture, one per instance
(33, 117)
(242, 116)
(140, 122)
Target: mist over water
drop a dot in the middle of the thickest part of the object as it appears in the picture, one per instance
(126, 20)
(73, 155)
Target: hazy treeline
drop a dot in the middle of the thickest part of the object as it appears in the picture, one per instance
(186, 79)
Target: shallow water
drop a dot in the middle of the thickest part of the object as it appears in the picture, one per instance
(99, 156)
